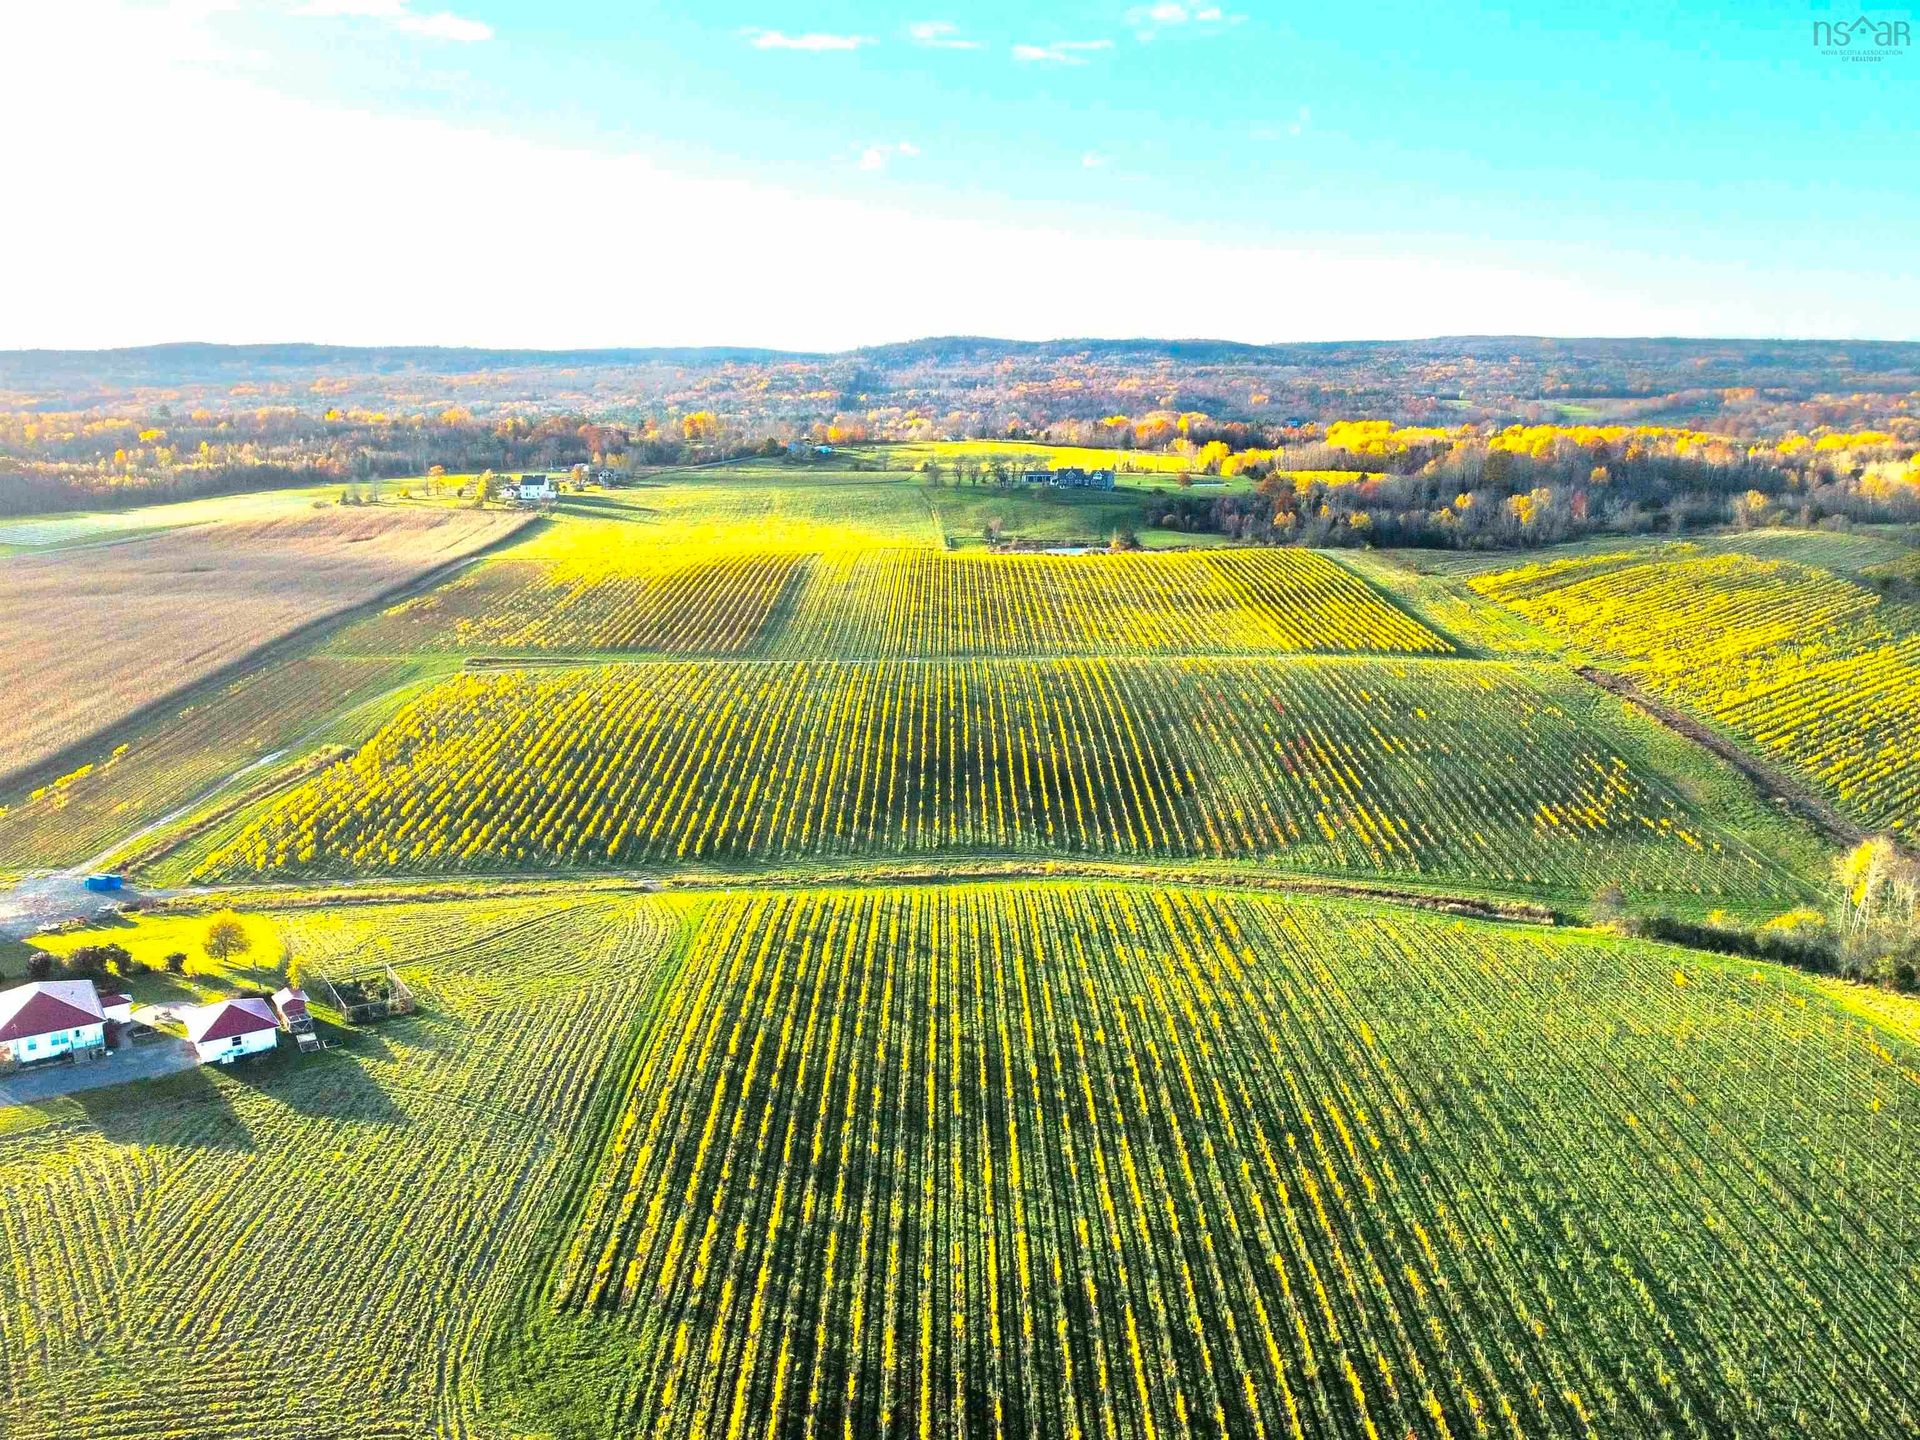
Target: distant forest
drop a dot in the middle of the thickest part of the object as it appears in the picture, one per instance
(1457, 442)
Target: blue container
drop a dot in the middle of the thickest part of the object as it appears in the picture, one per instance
(102, 884)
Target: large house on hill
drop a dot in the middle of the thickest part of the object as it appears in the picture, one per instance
(1070, 477)
(228, 1029)
(50, 1018)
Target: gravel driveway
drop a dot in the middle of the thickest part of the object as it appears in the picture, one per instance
(162, 1055)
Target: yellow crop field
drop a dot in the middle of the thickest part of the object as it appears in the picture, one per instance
(1809, 668)
(1484, 774)
(711, 604)
(900, 603)
(880, 603)
(1078, 1160)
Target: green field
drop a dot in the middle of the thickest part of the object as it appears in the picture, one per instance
(1034, 1158)
(1490, 776)
(318, 1245)
(867, 985)
(1353, 1174)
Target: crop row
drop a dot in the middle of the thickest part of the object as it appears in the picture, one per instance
(318, 1244)
(167, 761)
(883, 603)
(1054, 1160)
(1492, 773)
(898, 603)
(712, 604)
(1809, 668)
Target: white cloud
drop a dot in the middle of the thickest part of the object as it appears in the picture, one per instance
(400, 15)
(1149, 20)
(939, 35)
(813, 41)
(876, 157)
(1092, 160)
(1060, 52)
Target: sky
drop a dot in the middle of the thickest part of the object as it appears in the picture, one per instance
(821, 174)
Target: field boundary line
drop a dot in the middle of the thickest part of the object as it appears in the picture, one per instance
(450, 889)
(285, 647)
(1773, 783)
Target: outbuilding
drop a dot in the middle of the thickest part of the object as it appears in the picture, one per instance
(46, 1019)
(227, 1030)
(291, 1005)
(116, 1007)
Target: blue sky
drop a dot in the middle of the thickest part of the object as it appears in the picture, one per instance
(841, 172)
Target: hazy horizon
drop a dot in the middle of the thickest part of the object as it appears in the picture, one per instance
(900, 342)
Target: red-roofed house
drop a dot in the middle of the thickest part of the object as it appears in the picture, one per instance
(228, 1029)
(50, 1018)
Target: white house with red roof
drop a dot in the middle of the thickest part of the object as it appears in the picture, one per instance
(226, 1030)
(50, 1018)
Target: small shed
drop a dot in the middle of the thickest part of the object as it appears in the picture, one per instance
(227, 1030)
(116, 1007)
(295, 1018)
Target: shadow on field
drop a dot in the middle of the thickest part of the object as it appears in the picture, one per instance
(600, 508)
(414, 1035)
(186, 1110)
(332, 1084)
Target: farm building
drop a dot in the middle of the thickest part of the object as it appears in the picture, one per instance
(535, 487)
(291, 1005)
(226, 1030)
(116, 1007)
(51, 1018)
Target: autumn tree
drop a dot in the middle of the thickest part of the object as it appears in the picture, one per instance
(226, 938)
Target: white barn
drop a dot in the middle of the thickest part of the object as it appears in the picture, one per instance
(49, 1018)
(226, 1030)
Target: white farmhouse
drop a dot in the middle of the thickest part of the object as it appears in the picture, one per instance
(228, 1029)
(533, 488)
(49, 1018)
